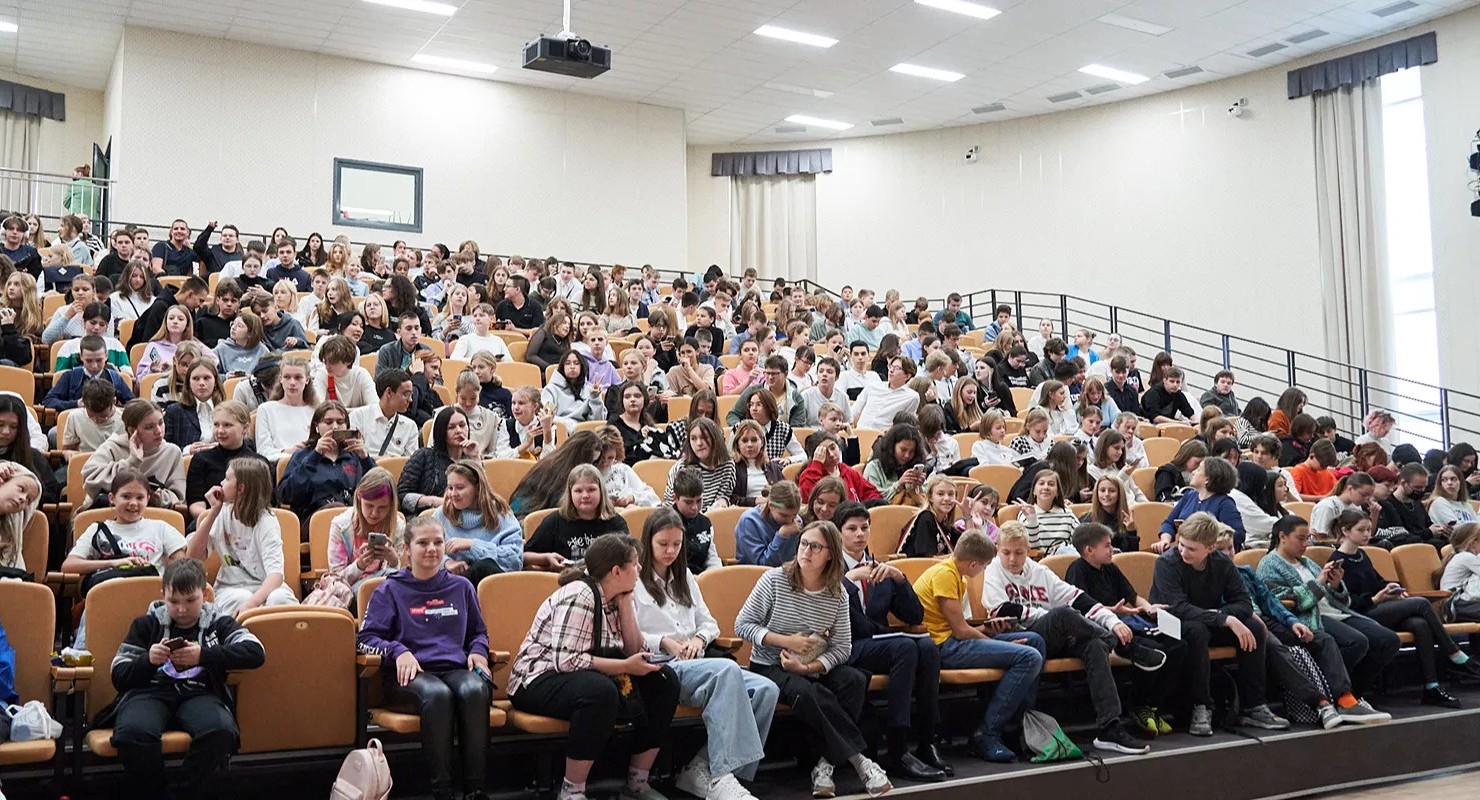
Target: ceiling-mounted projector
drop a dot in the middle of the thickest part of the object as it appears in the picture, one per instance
(570, 55)
(567, 54)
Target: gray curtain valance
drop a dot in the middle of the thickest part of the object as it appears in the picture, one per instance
(1368, 64)
(772, 162)
(29, 100)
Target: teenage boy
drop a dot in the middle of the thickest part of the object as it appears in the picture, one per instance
(215, 323)
(67, 391)
(768, 534)
(1313, 476)
(1264, 450)
(754, 327)
(876, 591)
(1405, 519)
(170, 672)
(17, 249)
(1200, 587)
(1120, 389)
(101, 419)
(1221, 395)
(1326, 429)
(952, 313)
(665, 351)
(704, 353)
(480, 340)
(1166, 403)
(288, 267)
(788, 400)
(308, 303)
(112, 264)
(215, 257)
(942, 590)
(704, 321)
(858, 375)
(825, 391)
(1073, 625)
(283, 330)
(174, 256)
(191, 294)
(67, 322)
(1054, 351)
(95, 322)
(384, 428)
(698, 531)
(880, 403)
(402, 352)
(342, 377)
(516, 311)
(867, 329)
(568, 286)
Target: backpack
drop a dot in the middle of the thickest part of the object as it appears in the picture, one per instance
(1045, 740)
(7, 670)
(1295, 708)
(365, 775)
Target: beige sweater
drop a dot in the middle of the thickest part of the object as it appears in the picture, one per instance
(164, 467)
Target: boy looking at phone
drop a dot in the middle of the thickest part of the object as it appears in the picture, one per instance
(171, 673)
(943, 595)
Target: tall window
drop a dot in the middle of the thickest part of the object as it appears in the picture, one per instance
(1409, 253)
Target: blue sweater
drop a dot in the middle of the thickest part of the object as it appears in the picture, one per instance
(67, 390)
(756, 541)
(504, 543)
(1220, 506)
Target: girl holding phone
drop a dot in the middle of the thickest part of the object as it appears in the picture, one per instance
(360, 537)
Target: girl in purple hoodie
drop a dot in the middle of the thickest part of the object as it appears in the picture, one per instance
(427, 622)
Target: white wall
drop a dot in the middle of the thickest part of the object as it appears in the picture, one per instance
(214, 129)
(1103, 202)
(68, 143)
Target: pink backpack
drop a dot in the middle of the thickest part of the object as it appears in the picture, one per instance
(365, 775)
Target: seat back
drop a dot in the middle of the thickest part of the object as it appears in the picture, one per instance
(1059, 563)
(1416, 565)
(28, 614)
(636, 517)
(1022, 397)
(723, 404)
(509, 602)
(1251, 558)
(1382, 561)
(20, 381)
(965, 441)
(1145, 478)
(504, 474)
(1146, 430)
(534, 518)
(74, 492)
(887, 524)
(303, 696)
(654, 473)
(518, 373)
(678, 408)
(392, 464)
(362, 596)
(866, 439)
(913, 568)
(725, 591)
(291, 528)
(1160, 449)
(998, 476)
(1300, 509)
(724, 521)
(1176, 430)
(1148, 518)
(35, 544)
(318, 538)
(1319, 553)
(1138, 568)
(111, 609)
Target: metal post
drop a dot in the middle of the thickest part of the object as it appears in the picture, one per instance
(1115, 319)
(1166, 333)
(1064, 316)
(1444, 417)
(1017, 300)
(1364, 392)
(1227, 363)
(1290, 365)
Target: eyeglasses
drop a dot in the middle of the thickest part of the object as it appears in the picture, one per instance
(811, 547)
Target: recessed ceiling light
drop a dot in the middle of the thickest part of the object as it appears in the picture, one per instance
(453, 63)
(1133, 24)
(8, 27)
(832, 125)
(961, 7)
(1101, 71)
(787, 35)
(927, 72)
(802, 90)
(424, 6)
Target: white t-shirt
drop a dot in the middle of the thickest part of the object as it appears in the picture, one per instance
(248, 553)
(986, 451)
(878, 405)
(471, 343)
(150, 539)
(280, 426)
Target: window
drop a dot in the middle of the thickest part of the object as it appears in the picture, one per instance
(383, 196)
(1408, 254)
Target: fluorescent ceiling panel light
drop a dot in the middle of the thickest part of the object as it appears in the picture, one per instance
(786, 35)
(424, 6)
(832, 125)
(961, 7)
(1119, 75)
(1133, 24)
(453, 63)
(927, 72)
(802, 90)
(8, 27)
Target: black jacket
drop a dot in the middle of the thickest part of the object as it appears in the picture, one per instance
(152, 319)
(224, 646)
(181, 425)
(1210, 595)
(14, 347)
(208, 468)
(1127, 399)
(424, 400)
(211, 329)
(889, 597)
(1158, 402)
(425, 472)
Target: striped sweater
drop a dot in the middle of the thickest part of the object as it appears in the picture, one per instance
(1049, 530)
(774, 607)
(719, 483)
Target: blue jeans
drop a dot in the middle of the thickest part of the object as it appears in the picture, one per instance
(1020, 654)
(738, 707)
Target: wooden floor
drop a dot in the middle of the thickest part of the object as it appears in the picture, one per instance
(1450, 786)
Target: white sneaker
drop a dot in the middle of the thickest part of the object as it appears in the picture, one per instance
(874, 778)
(694, 778)
(822, 780)
(725, 787)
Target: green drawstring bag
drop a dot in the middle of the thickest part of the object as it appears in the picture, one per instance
(1045, 740)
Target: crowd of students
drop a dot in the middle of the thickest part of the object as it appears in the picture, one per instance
(628, 635)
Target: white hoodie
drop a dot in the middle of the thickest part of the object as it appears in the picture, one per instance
(1039, 591)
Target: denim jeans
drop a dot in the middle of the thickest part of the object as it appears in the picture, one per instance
(1020, 654)
(738, 707)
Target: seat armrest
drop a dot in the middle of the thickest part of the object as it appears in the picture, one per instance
(368, 664)
(731, 643)
(69, 680)
(1431, 595)
(498, 658)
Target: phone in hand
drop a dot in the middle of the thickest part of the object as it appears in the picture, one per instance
(657, 658)
(175, 643)
(1009, 610)
(379, 540)
(340, 437)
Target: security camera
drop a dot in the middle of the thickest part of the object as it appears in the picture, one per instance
(1238, 106)
(973, 153)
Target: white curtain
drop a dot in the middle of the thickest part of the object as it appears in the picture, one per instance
(773, 225)
(1348, 150)
(20, 139)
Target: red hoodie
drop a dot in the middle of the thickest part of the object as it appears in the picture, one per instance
(858, 487)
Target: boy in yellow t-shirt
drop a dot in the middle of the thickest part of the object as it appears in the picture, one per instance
(942, 589)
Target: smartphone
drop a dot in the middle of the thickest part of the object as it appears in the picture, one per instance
(1009, 610)
(657, 658)
(379, 540)
(340, 437)
(482, 673)
(175, 643)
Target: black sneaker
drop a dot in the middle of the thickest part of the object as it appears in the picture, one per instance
(1468, 671)
(1436, 696)
(1149, 659)
(1114, 738)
